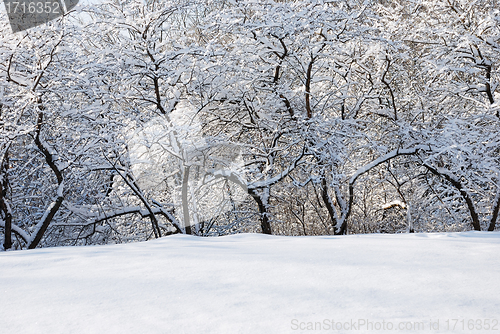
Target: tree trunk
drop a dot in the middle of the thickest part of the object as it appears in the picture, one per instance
(45, 222)
(328, 202)
(264, 214)
(495, 212)
(458, 185)
(54, 207)
(185, 203)
(4, 206)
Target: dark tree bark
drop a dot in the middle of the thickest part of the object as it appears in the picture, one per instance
(4, 206)
(494, 217)
(458, 185)
(54, 207)
(129, 180)
(185, 204)
(328, 202)
(308, 88)
(389, 156)
(263, 211)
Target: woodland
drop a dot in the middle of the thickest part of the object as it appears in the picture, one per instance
(127, 120)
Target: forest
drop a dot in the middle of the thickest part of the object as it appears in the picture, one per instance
(128, 120)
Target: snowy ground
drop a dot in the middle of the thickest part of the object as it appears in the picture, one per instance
(257, 284)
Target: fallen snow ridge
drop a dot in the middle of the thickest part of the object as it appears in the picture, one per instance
(252, 283)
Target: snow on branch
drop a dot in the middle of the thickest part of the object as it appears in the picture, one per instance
(97, 218)
(393, 204)
(273, 180)
(44, 222)
(16, 229)
(391, 155)
(451, 178)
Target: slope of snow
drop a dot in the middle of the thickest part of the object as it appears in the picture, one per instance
(254, 283)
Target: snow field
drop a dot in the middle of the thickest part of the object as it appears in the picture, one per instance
(252, 283)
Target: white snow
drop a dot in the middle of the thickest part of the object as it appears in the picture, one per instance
(394, 203)
(251, 283)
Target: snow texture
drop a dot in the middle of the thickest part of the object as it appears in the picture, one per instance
(251, 283)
